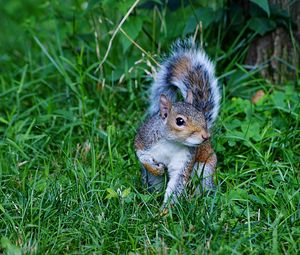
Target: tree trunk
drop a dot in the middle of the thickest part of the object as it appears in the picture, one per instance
(278, 51)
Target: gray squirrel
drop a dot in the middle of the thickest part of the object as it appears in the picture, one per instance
(175, 138)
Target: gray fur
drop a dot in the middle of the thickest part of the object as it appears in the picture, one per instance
(151, 131)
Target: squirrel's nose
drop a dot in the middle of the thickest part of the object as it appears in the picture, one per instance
(205, 136)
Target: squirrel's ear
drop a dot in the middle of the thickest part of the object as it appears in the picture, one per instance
(165, 106)
(189, 97)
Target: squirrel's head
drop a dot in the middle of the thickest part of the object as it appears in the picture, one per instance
(184, 122)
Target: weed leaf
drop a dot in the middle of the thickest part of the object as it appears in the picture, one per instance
(263, 4)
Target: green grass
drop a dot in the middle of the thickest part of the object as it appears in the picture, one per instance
(70, 180)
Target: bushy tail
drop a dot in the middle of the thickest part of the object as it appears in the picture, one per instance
(187, 67)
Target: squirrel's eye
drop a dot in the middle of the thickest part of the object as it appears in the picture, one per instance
(180, 121)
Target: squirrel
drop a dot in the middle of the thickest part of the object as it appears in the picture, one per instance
(175, 139)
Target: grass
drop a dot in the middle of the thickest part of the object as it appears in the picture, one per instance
(70, 180)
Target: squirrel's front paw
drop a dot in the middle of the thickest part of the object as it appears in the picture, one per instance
(160, 167)
(154, 167)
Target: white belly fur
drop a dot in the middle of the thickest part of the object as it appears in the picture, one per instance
(173, 155)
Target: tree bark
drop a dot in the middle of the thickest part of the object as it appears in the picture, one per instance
(278, 51)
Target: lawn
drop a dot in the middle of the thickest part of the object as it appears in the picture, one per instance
(73, 91)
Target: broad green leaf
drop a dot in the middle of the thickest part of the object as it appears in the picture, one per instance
(264, 4)
(241, 105)
(174, 31)
(123, 5)
(126, 192)
(238, 194)
(205, 15)
(278, 99)
(132, 27)
(261, 25)
(233, 124)
(251, 130)
(145, 198)
(233, 136)
(119, 6)
(111, 193)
